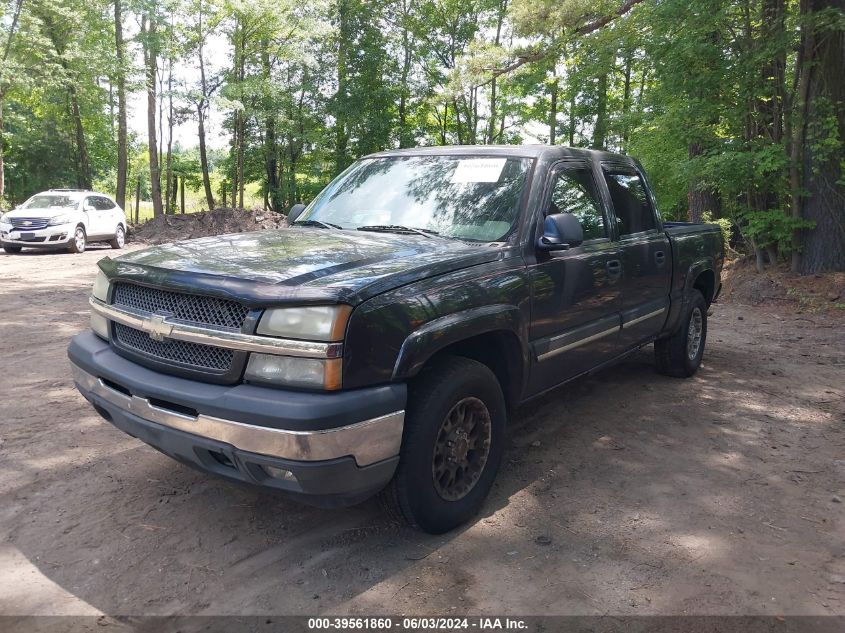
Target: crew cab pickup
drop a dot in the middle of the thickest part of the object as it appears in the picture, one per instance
(379, 343)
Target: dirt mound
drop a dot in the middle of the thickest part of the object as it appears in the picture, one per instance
(170, 228)
(777, 286)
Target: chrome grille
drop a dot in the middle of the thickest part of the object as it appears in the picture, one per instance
(30, 224)
(188, 355)
(194, 309)
(185, 307)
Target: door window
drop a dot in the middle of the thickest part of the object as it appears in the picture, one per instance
(574, 192)
(103, 204)
(631, 203)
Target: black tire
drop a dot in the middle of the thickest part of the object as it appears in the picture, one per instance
(78, 241)
(12, 250)
(453, 389)
(119, 238)
(680, 354)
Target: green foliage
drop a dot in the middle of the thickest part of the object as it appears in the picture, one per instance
(700, 92)
(724, 224)
(772, 227)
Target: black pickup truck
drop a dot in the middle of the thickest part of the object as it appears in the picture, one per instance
(379, 343)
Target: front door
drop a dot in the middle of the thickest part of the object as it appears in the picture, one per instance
(646, 255)
(574, 293)
(93, 217)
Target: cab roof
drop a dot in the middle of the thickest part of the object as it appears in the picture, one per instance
(547, 152)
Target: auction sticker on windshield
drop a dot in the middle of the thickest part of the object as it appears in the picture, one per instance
(479, 170)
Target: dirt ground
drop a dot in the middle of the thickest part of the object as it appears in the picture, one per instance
(623, 493)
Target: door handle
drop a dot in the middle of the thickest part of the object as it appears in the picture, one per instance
(614, 267)
(660, 257)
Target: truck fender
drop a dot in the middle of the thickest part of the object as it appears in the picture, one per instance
(427, 340)
(679, 303)
(694, 271)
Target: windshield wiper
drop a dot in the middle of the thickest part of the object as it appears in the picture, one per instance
(397, 228)
(320, 223)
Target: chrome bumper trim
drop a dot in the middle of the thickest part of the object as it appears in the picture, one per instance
(642, 318)
(161, 328)
(565, 348)
(368, 442)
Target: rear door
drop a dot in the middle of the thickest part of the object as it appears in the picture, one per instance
(111, 215)
(646, 254)
(574, 293)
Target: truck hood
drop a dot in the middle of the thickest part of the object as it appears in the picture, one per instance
(302, 264)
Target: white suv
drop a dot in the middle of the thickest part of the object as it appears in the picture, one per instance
(69, 218)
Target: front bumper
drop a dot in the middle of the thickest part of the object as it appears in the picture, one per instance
(329, 449)
(49, 237)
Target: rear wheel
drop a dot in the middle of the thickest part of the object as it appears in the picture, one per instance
(451, 447)
(680, 354)
(119, 238)
(12, 250)
(78, 241)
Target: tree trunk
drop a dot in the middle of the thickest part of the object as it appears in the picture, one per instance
(823, 247)
(626, 102)
(701, 200)
(182, 195)
(491, 124)
(2, 157)
(341, 131)
(201, 109)
(138, 200)
(83, 169)
(122, 162)
(554, 90)
(151, 55)
(169, 169)
(206, 179)
(600, 129)
(405, 136)
(6, 49)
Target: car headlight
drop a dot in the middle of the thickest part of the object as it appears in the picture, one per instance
(59, 220)
(99, 323)
(3, 219)
(101, 287)
(289, 371)
(311, 323)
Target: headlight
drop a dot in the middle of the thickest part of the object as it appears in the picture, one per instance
(311, 323)
(3, 218)
(100, 325)
(101, 287)
(292, 371)
(59, 219)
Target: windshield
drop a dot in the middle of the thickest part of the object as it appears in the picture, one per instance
(50, 201)
(467, 198)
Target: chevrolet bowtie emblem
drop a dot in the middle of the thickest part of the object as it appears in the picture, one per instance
(27, 223)
(157, 327)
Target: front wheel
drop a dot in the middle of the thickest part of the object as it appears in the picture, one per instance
(680, 354)
(79, 241)
(451, 447)
(12, 250)
(119, 238)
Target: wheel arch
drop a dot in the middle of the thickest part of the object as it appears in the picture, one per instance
(701, 276)
(491, 335)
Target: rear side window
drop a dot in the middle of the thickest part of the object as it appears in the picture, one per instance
(574, 192)
(630, 202)
(103, 204)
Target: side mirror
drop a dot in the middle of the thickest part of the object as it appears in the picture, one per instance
(561, 231)
(295, 211)
(88, 207)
